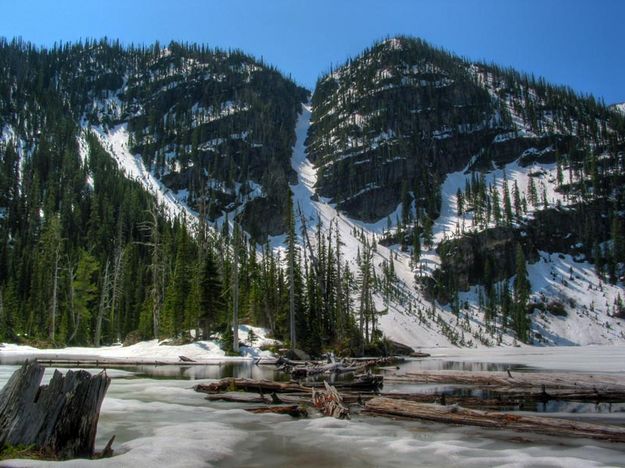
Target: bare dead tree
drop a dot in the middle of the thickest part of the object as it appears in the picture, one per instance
(156, 267)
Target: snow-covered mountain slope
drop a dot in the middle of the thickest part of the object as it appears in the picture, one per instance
(476, 163)
(116, 142)
(522, 151)
(417, 321)
(400, 323)
(213, 127)
(442, 168)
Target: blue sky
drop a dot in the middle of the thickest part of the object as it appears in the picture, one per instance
(573, 42)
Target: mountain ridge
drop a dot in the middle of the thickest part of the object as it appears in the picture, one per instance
(404, 158)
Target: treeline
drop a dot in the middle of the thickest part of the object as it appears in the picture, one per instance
(90, 259)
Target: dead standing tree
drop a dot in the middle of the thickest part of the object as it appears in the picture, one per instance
(157, 267)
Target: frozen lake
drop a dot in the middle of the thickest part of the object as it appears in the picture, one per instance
(159, 420)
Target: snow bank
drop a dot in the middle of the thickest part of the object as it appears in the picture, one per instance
(177, 445)
(148, 351)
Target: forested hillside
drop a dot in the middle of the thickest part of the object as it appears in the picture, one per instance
(151, 192)
(478, 170)
(88, 254)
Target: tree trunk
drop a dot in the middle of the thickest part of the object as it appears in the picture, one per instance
(102, 307)
(115, 293)
(60, 418)
(75, 319)
(55, 287)
(292, 294)
(519, 383)
(235, 292)
(497, 420)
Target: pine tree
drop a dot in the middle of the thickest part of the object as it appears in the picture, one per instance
(507, 206)
(516, 197)
(211, 305)
(460, 202)
(427, 232)
(85, 297)
(618, 239)
(291, 253)
(416, 246)
(522, 288)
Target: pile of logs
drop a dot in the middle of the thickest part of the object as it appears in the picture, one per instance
(362, 383)
(276, 395)
(59, 419)
(303, 369)
(288, 398)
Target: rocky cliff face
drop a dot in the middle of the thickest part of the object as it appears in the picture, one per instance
(406, 114)
(401, 113)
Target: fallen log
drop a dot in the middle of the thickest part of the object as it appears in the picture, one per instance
(464, 401)
(516, 379)
(457, 415)
(361, 383)
(90, 362)
(60, 418)
(295, 411)
(537, 385)
(333, 368)
(299, 369)
(251, 385)
(329, 402)
(239, 397)
(185, 359)
(379, 362)
(364, 387)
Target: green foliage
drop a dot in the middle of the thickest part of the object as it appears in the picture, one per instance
(10, 452)
(85, 295)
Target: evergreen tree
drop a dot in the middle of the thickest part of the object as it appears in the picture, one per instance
(211, 304)
(522, 289)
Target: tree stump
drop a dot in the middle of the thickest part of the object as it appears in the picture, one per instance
(330, 402)
(60, 418)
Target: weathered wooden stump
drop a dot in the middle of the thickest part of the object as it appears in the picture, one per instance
(330, 402)
(60, 418)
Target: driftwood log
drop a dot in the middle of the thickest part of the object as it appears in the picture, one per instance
(296, 411)
(120, 362)
(60, 418)
(332, 368)
(536, 385)
(361, 383)
(300, 369)
(251, 385)
(457, 415)
(329, 402)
